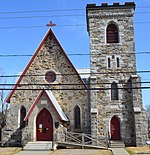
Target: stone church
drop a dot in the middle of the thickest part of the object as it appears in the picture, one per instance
(51, 93)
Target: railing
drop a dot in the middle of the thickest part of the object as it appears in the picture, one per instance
(83, 140)
(108, 139)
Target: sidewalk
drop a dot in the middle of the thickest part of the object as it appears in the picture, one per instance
(34, 153)
(119, 151)
(116, 151)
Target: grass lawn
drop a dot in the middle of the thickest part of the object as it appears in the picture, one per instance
(9, 150)
(81, 152)
(138, 150)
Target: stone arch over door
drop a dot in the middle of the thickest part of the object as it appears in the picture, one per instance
(115, 128)
(44, 126)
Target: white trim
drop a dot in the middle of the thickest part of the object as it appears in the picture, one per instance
(110, 57)
(34, 126)
(116, 81)
(115, 22)
(118, 56)
(19, 117)
(20, 114)
(56, 105)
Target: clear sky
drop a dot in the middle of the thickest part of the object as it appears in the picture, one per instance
(74, 39)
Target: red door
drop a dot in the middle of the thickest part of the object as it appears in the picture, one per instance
(44, 126)
(115, 128)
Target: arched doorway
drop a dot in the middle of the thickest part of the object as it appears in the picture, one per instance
(115, 128)
(44, 126)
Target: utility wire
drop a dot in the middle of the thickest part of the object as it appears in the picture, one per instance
(54, 10)
(103, 73)
(142, 12)
(38, 11)
(69, 84)
(58, 25)
(49, 16)
(63, 10)
(73, 54)
(43, 26)
(126, 88)
(55, 16)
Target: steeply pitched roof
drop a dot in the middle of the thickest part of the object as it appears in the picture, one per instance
(54, 103)
(49, 33)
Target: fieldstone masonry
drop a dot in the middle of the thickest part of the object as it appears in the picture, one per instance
(128, 108)
(50, 56)
(96, 106)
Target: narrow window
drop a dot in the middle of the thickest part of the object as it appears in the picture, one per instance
(22, 116)
(109, 63)
(114, 91)
(112, 34)
(77, 120)
(118, 62)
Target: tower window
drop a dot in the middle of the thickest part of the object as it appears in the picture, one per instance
(112, 34)
(109, 63)
(114, 91)
(118, 62)
(77, 115)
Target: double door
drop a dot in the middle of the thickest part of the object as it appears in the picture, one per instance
(44, 126)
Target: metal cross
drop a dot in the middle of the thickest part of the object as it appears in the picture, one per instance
(51, 24)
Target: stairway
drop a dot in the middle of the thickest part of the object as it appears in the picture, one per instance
(38, 145)
(117, 144)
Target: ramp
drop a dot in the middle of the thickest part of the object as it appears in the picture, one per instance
(82, 140)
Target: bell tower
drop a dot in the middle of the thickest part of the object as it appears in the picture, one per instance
(112, 66)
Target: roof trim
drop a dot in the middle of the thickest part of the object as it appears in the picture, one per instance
(49, 32)
(54, 103)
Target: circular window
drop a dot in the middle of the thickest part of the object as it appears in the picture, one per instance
(50, 76)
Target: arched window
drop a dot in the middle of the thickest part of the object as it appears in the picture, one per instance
(77, 116)
(114, 91)
(112, 35)
(22, 116)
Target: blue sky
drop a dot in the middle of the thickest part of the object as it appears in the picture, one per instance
(73, 39)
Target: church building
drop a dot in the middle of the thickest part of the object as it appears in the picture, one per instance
(51, 93)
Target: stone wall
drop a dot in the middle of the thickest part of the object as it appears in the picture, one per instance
(51, 57)
(98, 18)
(140, 116)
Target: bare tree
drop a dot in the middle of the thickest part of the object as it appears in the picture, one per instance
(3, 94)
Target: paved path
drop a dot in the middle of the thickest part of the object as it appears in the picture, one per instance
(34, 153)
(119, 151)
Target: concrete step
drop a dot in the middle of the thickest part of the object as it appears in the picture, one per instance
(117, 144)
(38, 145)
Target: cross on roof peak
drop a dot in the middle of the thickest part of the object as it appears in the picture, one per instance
(51, 24)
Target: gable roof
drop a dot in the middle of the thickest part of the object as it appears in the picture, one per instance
(49, 32)
(54, 103)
